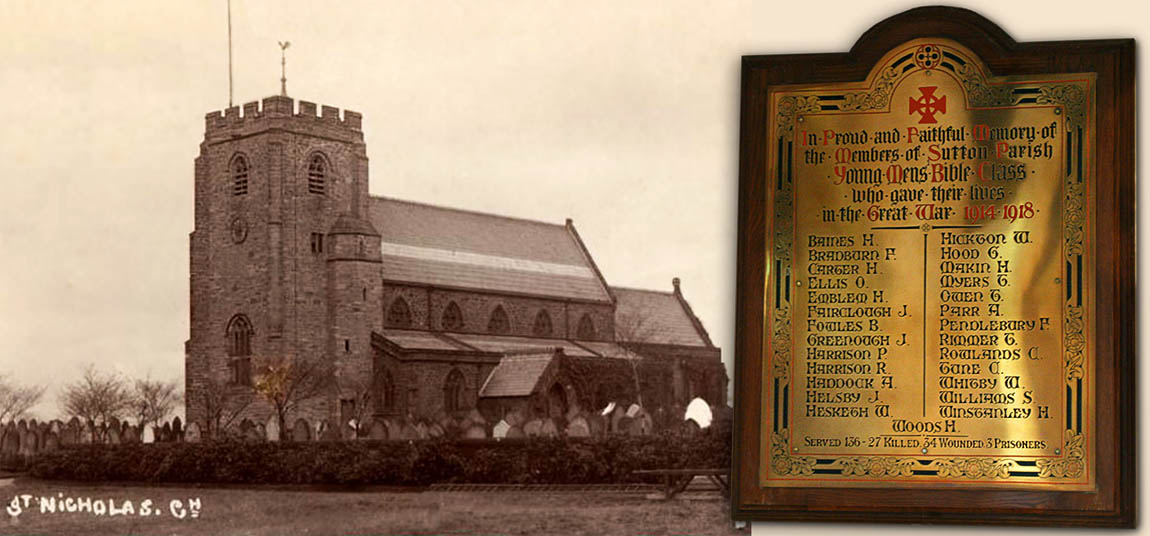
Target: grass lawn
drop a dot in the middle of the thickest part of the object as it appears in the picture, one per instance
(265, 511)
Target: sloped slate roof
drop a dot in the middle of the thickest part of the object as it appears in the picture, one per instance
(648, 316)
(499, 343)
(608, 349)
(438, 246)
(516, 375)
(410, 339)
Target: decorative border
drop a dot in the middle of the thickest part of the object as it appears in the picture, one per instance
(1073, 100)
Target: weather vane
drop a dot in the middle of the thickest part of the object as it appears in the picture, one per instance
(283, 66)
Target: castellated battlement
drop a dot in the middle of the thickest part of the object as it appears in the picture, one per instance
(281, 112)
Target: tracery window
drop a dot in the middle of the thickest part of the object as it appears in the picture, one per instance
(586, 329)
(399, 314)
(453, 391)
(452, 318)
(239, 346)
(498, 323)
(385, 389)
(542, 325)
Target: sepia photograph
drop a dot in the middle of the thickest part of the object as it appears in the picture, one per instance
(280, 267)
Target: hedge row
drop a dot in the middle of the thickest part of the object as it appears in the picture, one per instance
(609, 459)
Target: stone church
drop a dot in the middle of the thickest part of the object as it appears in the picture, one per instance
(421, 310)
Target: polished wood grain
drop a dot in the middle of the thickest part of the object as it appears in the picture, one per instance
(1113, 503)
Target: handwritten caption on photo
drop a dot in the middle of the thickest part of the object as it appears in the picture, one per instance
(61, 503)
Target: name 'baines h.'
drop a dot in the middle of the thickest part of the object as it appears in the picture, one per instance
(422, 312)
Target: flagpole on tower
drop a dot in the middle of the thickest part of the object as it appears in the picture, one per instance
(230, 87)
(283, 66)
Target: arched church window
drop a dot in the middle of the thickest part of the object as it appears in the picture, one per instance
(239, 347)
(385, 389)
(317, 171)
(586, 329)
(452, 318)
(239, 171)
(542, 325)
(498, 323)
(453, 391)
(399, 314)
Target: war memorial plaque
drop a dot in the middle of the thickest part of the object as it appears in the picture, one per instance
(935, 220)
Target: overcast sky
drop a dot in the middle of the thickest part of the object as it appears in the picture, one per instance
(620, 115)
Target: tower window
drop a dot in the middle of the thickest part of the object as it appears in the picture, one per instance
(239, 346)
(317, 170)
(452, 318)
(498, 323)
(586, 328)
(399, 314)
(239, 171)
(453, 391)
(317, 243)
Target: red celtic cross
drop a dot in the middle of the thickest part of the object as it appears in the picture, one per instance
(927, 105)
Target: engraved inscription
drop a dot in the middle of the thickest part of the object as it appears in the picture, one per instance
(929, 283)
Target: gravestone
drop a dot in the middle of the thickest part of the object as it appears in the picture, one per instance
(500, 429)
(273, 428)
(421, 430)
(11, 440)
(51, 441)
(29, 442)
(475, 417)
(247, 428)
(514, 432)
(622, 425)
(475, 432)
(642, 424)
(192, 433)
(68, 434)
(329, 433)
(549, 428)
(87, 432)
(177, 429)
(515, 418)
(149, 434)
(378, 430)
(130, 434)
(301, 431)
(394, 429)
(533, 428)
(114, 435)
(578, 427)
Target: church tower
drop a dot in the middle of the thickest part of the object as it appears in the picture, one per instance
(285, 264)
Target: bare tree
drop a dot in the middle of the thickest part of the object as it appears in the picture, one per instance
(285, 384)
(222, 404)
(154, 400)
(632, 330)
(16, 399)
(96, 397)
(359, 389)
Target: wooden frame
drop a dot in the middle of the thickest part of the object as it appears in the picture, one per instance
(1113, 501)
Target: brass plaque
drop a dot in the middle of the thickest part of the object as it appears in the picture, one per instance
(930, 278)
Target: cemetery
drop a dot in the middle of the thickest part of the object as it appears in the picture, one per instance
(606, 447)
